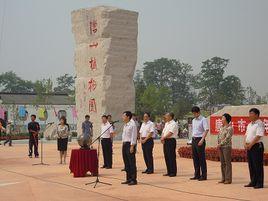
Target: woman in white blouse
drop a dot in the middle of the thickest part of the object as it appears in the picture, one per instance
(62, 134)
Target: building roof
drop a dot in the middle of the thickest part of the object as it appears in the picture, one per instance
(242, 110)
(34, 99)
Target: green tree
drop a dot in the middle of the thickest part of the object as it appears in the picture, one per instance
(181, 108)
(264, 98)
(252, 97)
(139, 90)
(12, 83)
(173, 75)
(209, 81)
(232, 91)
(156, 100)
(65, 84)
(43, 89)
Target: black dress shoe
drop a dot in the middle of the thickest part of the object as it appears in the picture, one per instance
(172, 175)
(144, 172)
(258, 187)
(123, 169)
(165, 175)
(202, 179)
(132, 183)
(249, 185)
(125, 182)
(103, 166)
(108, 168)
(150, 172)
(194, 178)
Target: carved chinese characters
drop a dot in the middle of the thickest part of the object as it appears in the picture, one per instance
(105, 60)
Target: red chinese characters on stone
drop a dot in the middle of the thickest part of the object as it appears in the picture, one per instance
(94, 45)
(93, 63)
(93, 26)
(242, 125)
(239, 124)
(92, 84)
(92, 105)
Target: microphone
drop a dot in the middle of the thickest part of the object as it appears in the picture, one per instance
(113, 122)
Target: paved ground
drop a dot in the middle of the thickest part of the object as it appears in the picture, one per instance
(20, 181)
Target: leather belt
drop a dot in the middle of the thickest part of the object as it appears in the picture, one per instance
(145, 138)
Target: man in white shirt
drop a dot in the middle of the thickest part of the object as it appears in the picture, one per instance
(254, 146)
(168, 140)
(134, 122)
(200, 130)
(129, 139)
(106, 142)
(146, 133)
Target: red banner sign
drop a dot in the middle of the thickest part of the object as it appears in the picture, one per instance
(239, 124)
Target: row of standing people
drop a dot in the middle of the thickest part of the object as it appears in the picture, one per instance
(253, 144)
(131, 135)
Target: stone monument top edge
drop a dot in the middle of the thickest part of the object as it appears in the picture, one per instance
(103, 8)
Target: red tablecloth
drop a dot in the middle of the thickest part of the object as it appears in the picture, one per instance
(83, 161)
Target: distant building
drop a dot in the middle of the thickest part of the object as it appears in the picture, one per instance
(18, 107)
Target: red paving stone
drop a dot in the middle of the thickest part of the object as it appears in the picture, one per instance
(20, 181)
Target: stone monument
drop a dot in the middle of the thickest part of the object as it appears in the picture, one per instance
(105, 60)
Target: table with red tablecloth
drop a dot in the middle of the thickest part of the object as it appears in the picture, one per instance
(83, 161)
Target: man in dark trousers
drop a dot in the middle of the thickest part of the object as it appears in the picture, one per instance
(168, 139)
(33, 128)
(129, 139)
(254, 146)
(106, 142)
(200, 131)
(146, 133)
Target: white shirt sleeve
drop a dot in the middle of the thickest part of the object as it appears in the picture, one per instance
(111, 129)
(260, 130)
(205, 124)
(152, 128)
(134, 135)
(172, 128)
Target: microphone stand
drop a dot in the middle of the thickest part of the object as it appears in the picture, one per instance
(41, 141)
(41, 162)
(98, 154)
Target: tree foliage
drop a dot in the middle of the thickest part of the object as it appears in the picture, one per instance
(156, 100)
(65, 84)
(11, 82)
(163, 84)
(214, 88)
(43, 89)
